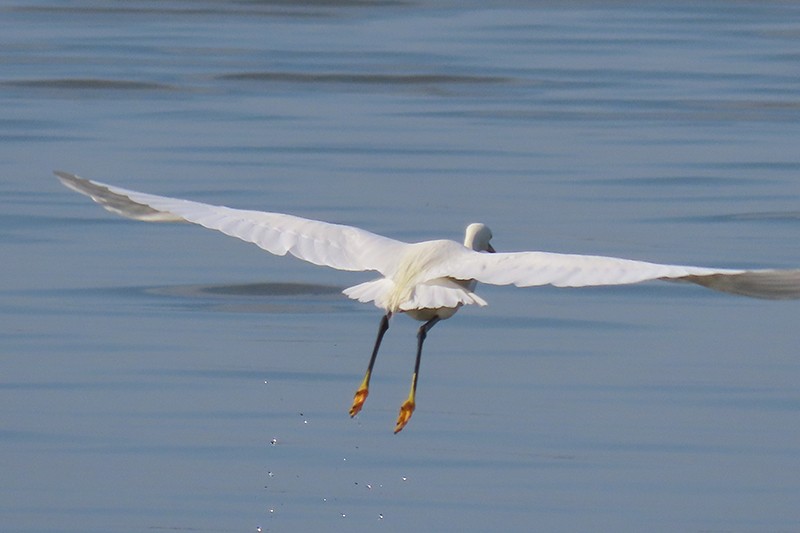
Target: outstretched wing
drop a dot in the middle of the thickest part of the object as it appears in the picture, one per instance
(527, 269)
(321, 243)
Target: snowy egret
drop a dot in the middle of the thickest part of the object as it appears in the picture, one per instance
(430, 280)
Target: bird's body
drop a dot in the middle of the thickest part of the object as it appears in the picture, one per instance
(409, 289)
(430, 280)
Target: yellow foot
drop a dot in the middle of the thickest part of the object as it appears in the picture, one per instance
(358, 400)
(406, 410)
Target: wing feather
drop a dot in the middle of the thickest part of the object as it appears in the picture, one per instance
(321, 243)
(350, 248)
(527, 269)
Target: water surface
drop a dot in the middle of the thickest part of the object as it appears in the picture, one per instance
(160, 377)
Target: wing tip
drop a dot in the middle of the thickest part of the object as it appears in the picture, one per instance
(66, 178)
(764, 284)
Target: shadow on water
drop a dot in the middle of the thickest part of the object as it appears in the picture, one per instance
(248, 289)
(359, 78)
(265, 297)
(85, 84)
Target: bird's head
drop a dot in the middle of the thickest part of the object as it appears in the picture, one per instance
(477, 237)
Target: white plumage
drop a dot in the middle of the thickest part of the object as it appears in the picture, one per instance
(428, 280)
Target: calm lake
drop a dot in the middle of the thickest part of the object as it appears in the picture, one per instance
(164, 377)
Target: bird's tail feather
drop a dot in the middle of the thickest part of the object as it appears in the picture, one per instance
(432, 294)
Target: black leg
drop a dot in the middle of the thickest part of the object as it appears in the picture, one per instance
(363, 390)
(407, 409)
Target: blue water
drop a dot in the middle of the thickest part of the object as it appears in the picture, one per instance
(162, 377)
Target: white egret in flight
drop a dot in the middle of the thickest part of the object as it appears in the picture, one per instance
(430, 280)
